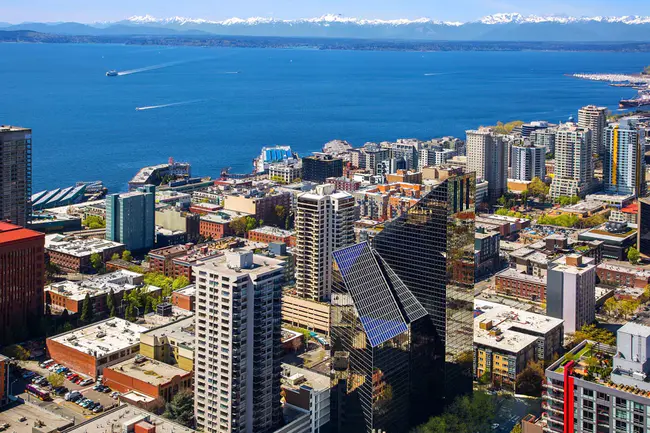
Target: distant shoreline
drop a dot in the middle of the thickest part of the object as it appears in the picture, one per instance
(25, 36)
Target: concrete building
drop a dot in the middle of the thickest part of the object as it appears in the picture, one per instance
(173, 344)
(147, 376)
(155, 174)
(574, 164)
(310, 391)
(260, 205)
(15, 174)
(22, 276)
(89, 350)
(643, 234)
(544, 137)
(73, 254)
(385, 202)
(595, 119)
(624, 158)
(487, 157)
(324, 223)
(305, 313)
(623, 274)
(130, 218)
(527, 162)
(70, 295)
(238, 338)
(571, 291)
(319, 167)
(127, 418)
(506, 339)
(268, 234)
(486, 251)
(614, 399)
(285, 172)
(617, 237)
(176, 220)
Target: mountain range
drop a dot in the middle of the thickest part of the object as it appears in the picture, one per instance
(498, 27)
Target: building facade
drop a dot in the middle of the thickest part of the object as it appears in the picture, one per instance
(22, 277)
(643, 233)
(595, 119)
(15, 174)
(431, 249)
(238, 338)
(574, 165)
(130, 218)
(624, 159)
(488, 158)
(528, 162)
(319, 167)
(571, 291)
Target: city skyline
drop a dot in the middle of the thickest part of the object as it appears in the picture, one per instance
(15, 11)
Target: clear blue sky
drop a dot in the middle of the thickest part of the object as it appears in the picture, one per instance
(16, 11)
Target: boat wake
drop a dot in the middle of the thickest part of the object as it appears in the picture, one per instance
(173, 104)
(160, 66)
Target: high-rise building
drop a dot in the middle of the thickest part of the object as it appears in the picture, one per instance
(238, 343)
(573, 161)
(409, 150)
(595, 119)
(643, 232)
(488, 158)
(431, 249)
(130, 218)
(571, 291)
(324, 223)
(373, 313)
(624, 158)
(528, 128)
(544, 137)
(528, 162)
(15, 174)
(320, 166)
(22, 278)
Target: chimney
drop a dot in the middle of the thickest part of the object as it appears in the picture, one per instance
(574, 260)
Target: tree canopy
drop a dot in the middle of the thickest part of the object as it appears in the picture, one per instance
(633, 256)
(564, 200)
(467, 414)
(126, 255)
(94, 222)
(529, 381)
(564, 220)
(593, 333)
(181, 409)
(96, 261)
(87, 310)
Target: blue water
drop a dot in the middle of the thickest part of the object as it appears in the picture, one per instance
(85, 126)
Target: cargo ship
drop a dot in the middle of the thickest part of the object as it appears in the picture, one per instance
(640, 100)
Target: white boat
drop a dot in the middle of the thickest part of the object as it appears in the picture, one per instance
(112, 73)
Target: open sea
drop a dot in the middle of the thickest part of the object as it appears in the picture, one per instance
(216, 107)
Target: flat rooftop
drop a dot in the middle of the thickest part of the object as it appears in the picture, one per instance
(153, 320)
(509, 320)
(187, 290)
(97, 285)
(14, 412)
(516, 275)
(150, 371)
(561, 266)
(275, 231)
(219, 264)
(616, 266)
(181, 331)
(115, 420)
(13, 233)
(78, 247)
(102, 338)
(315, 380)
(223, 216)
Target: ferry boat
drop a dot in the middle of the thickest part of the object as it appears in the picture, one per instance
(112, 73)
(641, 100)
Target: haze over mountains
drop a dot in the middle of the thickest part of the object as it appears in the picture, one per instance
(498, 27)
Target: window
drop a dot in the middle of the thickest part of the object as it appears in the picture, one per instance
(588, 392)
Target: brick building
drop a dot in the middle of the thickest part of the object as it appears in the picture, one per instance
(267, 234)
(73, 254)
(4, 380)
(514, 283)
(620, 274)
(184, 298)
(89, 350)
(149, 377)
(22, 276)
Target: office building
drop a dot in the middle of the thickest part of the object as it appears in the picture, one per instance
(407, 150)
(324, 223)
(22, 276)
(373, 313)
(527, 162)
(571, 291)
(309, 391)
(624, 159)
(617, 238)
(615, 398)
(595, 119)
(573, 161)
(318, 167)
(431, 249)
(130, 218)
(528, 128)
(15, 174)
(487, 157)
(238, 344)
(643, 234)
(506, 340)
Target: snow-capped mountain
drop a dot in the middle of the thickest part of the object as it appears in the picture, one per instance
(498, 27)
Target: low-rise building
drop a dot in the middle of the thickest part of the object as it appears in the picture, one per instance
(285, 172)
(149, 377)
(486, 252)
(305, 313)
(307, 390)
(184, 298)
(384, 202)
(89, 350)
(344, 183)
(127, 418)
(4, 380)
(268, 234)
(617, 237)
(172, 344)
(260, 204)
(70, 295)
(623, 274)
(217, 225)
(73, 254)
(27, 417)
(521, 285)
(503, 224)
(506, 339)
(176, 220)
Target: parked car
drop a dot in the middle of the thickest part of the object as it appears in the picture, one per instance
(76, 398)
(60, 390)
(83, 401)
(115, 395)
(99, 408)
(36, 379)
(106, 389)
(86, 382)
(28, 375)
(45, 364)
(69, 395)
(53, 367)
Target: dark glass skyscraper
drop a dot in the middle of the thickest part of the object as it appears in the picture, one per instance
(431, 249)
(372, 315)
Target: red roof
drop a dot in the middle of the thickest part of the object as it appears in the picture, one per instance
(11, 233)
(633, 209)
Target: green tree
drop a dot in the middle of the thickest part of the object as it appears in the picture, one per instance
(87, 310)
(126, 255)
(529, 381)
(593, 333)
(611, 307)
(238, 226)
(17, 351)
(115, 256)
(96, 261)
(467, 414)
(110, 303)
(181, 409)
(251, 223)
(564, 200)
(56, 379)
(633, 256)
(280, 212)
(129, 313)
(628, 307)
(94, 222)
(147, 305)
(180, 282)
